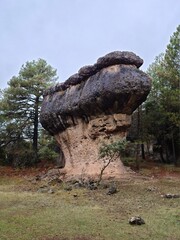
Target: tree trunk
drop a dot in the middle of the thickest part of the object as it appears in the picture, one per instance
(174, 154)
(102, 170)
(138, 135)
(142, 151)
(36, 122)
(167, 153)
(161, 154)
(137, 158)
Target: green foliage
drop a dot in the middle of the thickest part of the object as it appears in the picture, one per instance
(112, 149)
(20, 104)
(48, 149)
(20, 154)
(128, 151)
(22, 99)
(162, 112)
(46, 153)
(109, 153)
(3, 156)
(27, 215)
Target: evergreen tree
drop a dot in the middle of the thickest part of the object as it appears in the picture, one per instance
(20, 105)
(162, 119)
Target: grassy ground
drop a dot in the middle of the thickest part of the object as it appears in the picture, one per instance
(83, 214)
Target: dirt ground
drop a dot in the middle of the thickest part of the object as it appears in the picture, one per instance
(30, 211)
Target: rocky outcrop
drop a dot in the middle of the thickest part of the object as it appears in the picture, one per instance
(94, 106)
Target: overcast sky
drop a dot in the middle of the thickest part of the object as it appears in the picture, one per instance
(69, 34)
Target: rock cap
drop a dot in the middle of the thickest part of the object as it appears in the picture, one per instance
(112, 58)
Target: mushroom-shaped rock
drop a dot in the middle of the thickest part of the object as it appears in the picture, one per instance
(94, 106)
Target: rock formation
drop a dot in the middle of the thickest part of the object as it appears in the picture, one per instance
(92, 107)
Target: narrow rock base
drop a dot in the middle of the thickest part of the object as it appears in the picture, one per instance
(81, 143)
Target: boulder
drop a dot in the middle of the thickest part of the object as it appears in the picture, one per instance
(112, 190)
(92, 107)
(136, 221)
(169, 195)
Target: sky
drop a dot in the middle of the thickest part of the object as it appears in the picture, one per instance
(69, 34)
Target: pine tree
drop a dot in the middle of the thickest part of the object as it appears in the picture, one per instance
(163, 104)
(21, 101)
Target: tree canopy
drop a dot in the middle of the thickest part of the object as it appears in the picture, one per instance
(162, 119)
(21, 100)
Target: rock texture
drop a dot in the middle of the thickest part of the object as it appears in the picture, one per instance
(136, 221)
(94, 106)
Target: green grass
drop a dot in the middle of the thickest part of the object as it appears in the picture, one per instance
(26, 214)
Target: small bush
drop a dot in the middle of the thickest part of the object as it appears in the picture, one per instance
(46, 153)
(24, 158)
(20, 154)
(110, 153)
(3, 157)
(109, 150)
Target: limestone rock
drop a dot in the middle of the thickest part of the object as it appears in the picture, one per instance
(85, 72)
(136, 221)
(115, 89)
(112, 190)
(169, 195)
(88, 71)
(118, 57)
(92, 107)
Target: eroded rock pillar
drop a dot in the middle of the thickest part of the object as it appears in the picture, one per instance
(93, 107)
